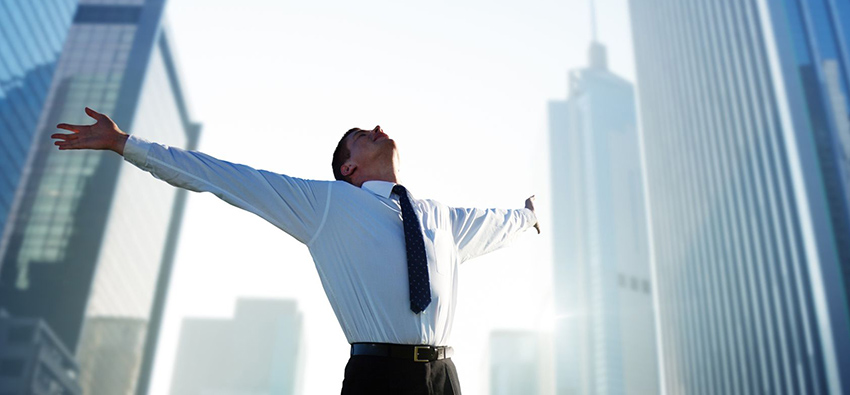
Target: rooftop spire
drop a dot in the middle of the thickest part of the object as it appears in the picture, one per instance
(592, 21)
(596, 52)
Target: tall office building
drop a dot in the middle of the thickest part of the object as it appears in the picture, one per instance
(605, 330)
(257, 352)
(744, 111)
(31, 37)
(520, 363)
(90, 239)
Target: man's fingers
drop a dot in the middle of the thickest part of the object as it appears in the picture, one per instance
(73, 128)
(94, 114)
(64, 136)
(529, 203)
(73, 144)
(64, 144)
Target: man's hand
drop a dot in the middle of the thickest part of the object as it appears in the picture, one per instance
(529, 204)
(104, 134)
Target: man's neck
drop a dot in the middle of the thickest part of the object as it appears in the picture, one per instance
(384, 172)
(393, 178)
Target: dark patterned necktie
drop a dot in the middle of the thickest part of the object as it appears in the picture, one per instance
(417, 263)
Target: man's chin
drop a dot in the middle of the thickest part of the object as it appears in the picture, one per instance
(388, 145)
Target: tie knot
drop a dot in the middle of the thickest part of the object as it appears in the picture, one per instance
(400, 190)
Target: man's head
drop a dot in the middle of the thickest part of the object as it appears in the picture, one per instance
(363, 155)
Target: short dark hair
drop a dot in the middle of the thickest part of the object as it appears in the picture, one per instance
(341, 154)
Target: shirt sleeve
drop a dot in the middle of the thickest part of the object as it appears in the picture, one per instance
(479, 231)
(294, 205)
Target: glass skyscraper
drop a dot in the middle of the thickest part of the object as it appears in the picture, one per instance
(744, 116)
(90, 240)
(31, 37)
(605, 330)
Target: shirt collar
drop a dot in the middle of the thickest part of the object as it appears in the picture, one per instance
(380, 188)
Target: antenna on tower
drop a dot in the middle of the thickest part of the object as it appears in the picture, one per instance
(592, 21)
(598, 57)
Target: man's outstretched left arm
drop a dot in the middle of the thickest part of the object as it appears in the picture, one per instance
(479, 231)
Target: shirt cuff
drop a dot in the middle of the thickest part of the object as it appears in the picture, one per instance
(530, 218)
(136, 150)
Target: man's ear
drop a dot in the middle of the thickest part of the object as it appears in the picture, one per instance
(347, 169)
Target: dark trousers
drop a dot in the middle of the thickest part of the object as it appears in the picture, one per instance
(366, 374)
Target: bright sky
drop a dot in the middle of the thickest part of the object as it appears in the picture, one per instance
(461, 86)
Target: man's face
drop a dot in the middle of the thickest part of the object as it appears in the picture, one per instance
(368, 147)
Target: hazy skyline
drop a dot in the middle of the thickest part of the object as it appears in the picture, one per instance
(461, 87)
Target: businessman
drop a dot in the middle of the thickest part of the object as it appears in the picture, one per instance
(388, 261)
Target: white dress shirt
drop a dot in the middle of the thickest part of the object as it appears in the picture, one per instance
(355, 236)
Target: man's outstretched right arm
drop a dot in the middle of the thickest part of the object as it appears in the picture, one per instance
(292, 204)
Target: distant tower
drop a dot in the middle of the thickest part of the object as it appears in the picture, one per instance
(516, 363)
(605, 332)
(257, 352)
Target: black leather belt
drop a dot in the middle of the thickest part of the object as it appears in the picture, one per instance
(403, 351)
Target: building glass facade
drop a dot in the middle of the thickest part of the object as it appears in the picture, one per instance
(605, 329)
(31, 37)
(745, 135)
(90, 236)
